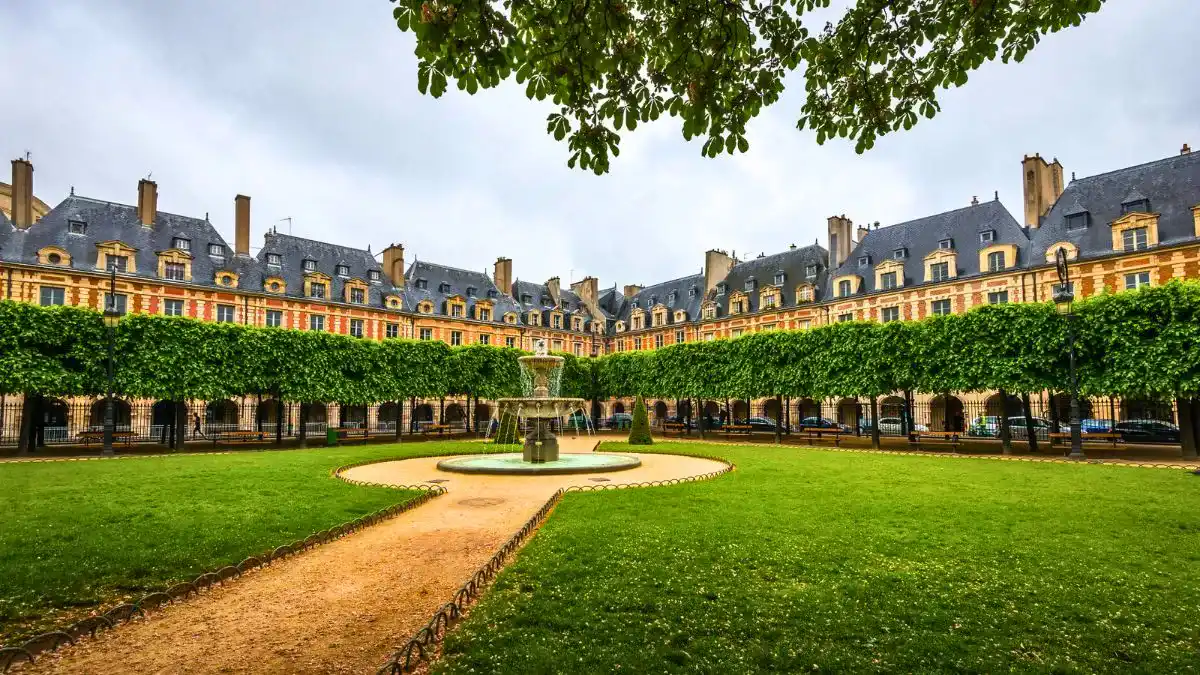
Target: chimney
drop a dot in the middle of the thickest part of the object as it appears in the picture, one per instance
(502, 276)
(22, 194)
(553, 284)
(588, 290)
(840, 239)
(862, 232)
(975, 200)
(716, 267)
(393, 264)
(1185, 150)
(1043, 184)
(241, 235)
(147, 203)
(632, 290)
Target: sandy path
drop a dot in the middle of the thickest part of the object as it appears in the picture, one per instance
(343, 606)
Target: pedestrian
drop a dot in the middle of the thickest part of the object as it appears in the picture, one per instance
(196, 428)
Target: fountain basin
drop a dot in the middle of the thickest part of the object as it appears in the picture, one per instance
(540, 408)
(513, 463)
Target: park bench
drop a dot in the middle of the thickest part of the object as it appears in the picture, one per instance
(88, 437)
(820, 432)
(439, 428)
(351, 433)
(675, 428)
(737, 429)
(943, 437)
(238, 436)
(1106, 437)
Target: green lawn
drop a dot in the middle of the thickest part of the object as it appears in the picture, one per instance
(77, 534)
(808, 560)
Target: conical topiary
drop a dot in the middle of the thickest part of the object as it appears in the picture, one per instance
(639, 433)
(507, 432)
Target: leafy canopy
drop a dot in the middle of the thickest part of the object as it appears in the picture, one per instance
(610, 65)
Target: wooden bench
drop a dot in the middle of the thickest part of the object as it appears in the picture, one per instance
(675, 428)
(239, 436)
(350, 433)
(951, 437)
(1106, 437)
(819, 432)
(737, 429)
(98, 436)
(439, 428)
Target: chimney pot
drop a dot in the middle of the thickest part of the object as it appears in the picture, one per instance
(975, 200)
(241, 239)
(1185, 150)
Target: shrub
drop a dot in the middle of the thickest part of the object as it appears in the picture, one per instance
(639, 433)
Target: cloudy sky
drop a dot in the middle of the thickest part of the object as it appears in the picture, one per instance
(311, 107)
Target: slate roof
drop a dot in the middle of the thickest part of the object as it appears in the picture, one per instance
(454, 281)
(793, 263)
(651, 296)
(6, 230)
(541, 299)
(108, 221)
(293, 251)
(1171, 185)
(920, 237)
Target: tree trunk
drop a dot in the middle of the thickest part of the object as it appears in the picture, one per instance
(1196, 422)
(905, 415)
(181, 411)
(279, 421)
(1030, 431)
(399, 418)
(875, 422)
(787, 407)
(778, 419)
(442, 410)
(25, 439)
(1187, 427)
(1055, 421)
(946, 411)
(1005, 431)
(302, 431)
(699, 412)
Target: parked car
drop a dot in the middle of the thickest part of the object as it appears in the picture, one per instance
(824, 423)
(988, 426)
(761, 424)
(889, 426)
(1147, 431)
(620, 421)
(1091, 426)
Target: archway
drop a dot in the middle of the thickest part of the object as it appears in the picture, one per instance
(162, 419)
(221, 416)
(423, 413)
(892, 406)
(618, 408)
(267, 414)
(848, 412)
(741, 411)
(385, 417)
(770, 408)
(808, 408)
(354, 416)
(684, 408)
(660, 411)
(121, 415)
(946, 414)
(483, 414)
(994, 406)
(317, 419)
(454, 414)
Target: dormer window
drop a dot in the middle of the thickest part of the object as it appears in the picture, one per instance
(844, 288)
(653, 300)
(274, 259)
(946, 244)
(545, 300)
(1136, 206)
(492, 293)
(342, 270)
(987, 236)
(671, 298)
(316, 290)
(900, 254)
(472, 291)
(216, 250)
(722, 288)
(864, 261)
(810, 271)
(635, 304)
(780, 277)
(692, 292)
(76, 227)
(443, 287)
(1077, 221)
(373, 276)
(888, 280)
(181, 244)
(310, 265)
(526, 298)
(422, 284)
(749, 285)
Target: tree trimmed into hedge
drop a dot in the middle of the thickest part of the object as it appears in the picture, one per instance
(639, 432)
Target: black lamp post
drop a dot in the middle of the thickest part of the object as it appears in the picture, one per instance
(1063, 297)
(111, 318)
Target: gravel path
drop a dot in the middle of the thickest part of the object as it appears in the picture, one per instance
(343, 606)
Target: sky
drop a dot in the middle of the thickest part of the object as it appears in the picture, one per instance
(311, 108)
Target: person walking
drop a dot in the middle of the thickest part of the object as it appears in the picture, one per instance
(196, 426)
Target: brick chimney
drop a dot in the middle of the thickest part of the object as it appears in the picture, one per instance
(862, 232)
(393, 264)
(22, 194)
(1043, 184)
(632, 290)
(147, 203)
(502, 275)
(840, 242)
(716, 267)
(241, 234)
(554, 285)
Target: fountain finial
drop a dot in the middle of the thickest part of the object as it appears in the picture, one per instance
(539, 347)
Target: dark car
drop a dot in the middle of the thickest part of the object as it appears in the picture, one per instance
(620, 421)
(822, 423)
(1147, 431)
(761, 424)
(1090, 426)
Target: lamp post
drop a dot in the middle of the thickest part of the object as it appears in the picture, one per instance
(111, 318)
(1063, 296)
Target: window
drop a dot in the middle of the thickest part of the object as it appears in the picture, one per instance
(671, 298)
(810, 271)
(225, 313)
(472, 291)
(578, 349)
(888, 280)
(890, 314)
(456, 311)
(722, 288)
(53, 295)
(426, 333)
(173, 307)
(391, 330)
(181, 244)
(1137, 280)
(485, 339)
(274, 259)
(844, 287)
(692, 292)
(864, 261)
(117, 302)
(637, 343)
(899, 254)
(316, 290)
(736, 332)
(493, 293)
(422, 284)
(342, 271)
(358, 296)
(54, 258)
(679, 337)
(443, 287)
(274, 286)
(274, 318)
(310, 265)
(780, 277)
(739, 306)
(1135, 239)
(1077, 221)
(119, 263)
(485, 314)
(558, 345)
(709, 337)
(987, 236)
(997, 297)
(456, 337)
(356, 327)
(848, 316)
(556, 320)
(373, 276)
(217, 250)
(940, 307)
(658, 341)
(995, 261)
(804, 294)
(769, 302)
(939, 271)
(76, 227)
(946, 244)
(174, 271)
(316, 322)
(226, 280)
(510, 341)
(1136, 206)
(526, 298)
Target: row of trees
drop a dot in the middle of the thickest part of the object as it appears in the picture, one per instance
(1142, 344)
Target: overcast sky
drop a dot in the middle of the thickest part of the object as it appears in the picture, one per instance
(311, 107)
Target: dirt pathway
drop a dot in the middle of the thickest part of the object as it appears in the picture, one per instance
(343, 606)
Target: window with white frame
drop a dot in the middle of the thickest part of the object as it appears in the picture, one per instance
(456, 337)
(995, 261)
(225, 313)
(940, 307)
(1135, 239)
(391, 330)
(997, 297)
(888, 314)
(1135, 280)
(181, 244)
(274, 318)
(216, 250)
(426, 333)
(356, 327)
(172, 308)
(939, 271)
(52, 296)
(316, 322)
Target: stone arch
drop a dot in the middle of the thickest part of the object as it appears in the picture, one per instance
(354, 416)
(385, 417)
(808, 408)
(267, 413)
(741, 411)
(618, 408)
(891, 406)
(770, 408)
(683, 408)
(483, 411)
(946, 413)
(221, 415)
(849, 412)
(423, 413)
(56, 420)
(660, 410)
(454, 413)
(122, 415)
(317, 414)
(994, 406)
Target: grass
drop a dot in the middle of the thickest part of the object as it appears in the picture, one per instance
(808, 560)
(78, 535)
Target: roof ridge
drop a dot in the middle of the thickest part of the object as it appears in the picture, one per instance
(1163, 160)
(450, 267)
(134, 207)
(318, 241)
(980, 205)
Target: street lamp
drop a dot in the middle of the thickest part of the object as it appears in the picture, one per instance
(1063, 296)
(111, 318)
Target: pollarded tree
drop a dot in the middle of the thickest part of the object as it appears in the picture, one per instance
(613, 64)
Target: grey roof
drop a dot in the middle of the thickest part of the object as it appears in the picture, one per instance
(293, 251)
(6, 230)
(793, 264)
(1171, 185)
(442, 281)
(918, 238)
(540, 298)
(684, 298)
(107, 221)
